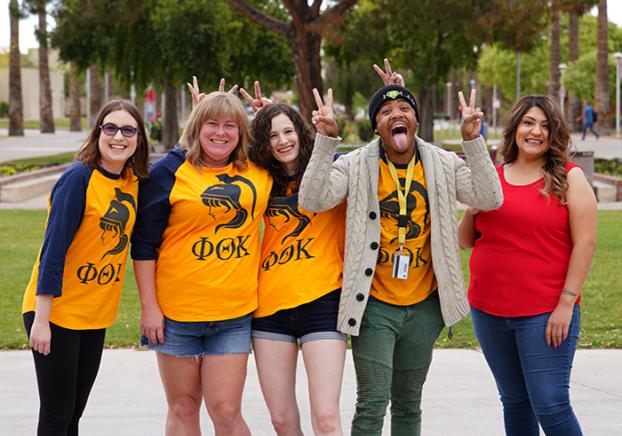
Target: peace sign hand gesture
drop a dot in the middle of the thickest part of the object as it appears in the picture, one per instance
(471, 117)
(197, 96)
(259, 101)
(323, 118)
(389, 77)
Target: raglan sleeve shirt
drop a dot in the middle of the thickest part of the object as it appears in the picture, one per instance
(67, 205)
(154, 206)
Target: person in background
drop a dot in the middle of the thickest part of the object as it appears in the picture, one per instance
(529, 262)
(589, 118)
(402, 280)
(196, 251)
(75, 287)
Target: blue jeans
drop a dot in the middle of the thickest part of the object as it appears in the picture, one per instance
(590, 127)
(533, 379)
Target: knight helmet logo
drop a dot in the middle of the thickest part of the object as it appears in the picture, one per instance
(390, 208)
(282, 210)
(227, 195)
(115, 220)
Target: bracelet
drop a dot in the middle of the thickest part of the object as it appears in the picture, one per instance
(567, 292)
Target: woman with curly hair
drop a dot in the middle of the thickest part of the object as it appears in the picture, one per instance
(296, 308)
(530, 259)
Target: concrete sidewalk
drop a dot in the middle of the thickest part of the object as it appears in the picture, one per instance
(459, 398)
(34, 144)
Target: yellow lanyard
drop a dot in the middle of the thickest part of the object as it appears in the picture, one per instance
(401, 197)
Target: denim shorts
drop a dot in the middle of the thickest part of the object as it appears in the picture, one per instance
(186, 339)
(311, 321)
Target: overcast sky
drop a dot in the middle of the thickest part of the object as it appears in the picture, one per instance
(27, 38)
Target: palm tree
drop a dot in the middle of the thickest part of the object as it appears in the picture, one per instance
(46, 117)
(16, 113)
(95, 93)
(554, 73)
(602, 69)
(74, 92)
(575, 9)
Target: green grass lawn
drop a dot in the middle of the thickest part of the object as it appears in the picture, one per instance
(21, 233)
(59, 123)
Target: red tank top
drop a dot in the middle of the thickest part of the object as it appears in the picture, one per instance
(519, 262)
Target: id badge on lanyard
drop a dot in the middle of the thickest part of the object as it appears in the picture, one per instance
(401, 257)
(401, 264)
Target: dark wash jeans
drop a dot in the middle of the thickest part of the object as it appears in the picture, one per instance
(392, 354)
(533, 379)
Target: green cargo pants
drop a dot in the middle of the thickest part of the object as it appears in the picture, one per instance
(392, 354)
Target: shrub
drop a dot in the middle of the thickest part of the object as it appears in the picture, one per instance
(4, 109)
(363, 129)
(611, 167)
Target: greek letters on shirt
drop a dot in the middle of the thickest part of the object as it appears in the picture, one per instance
(113, 234)
(282, 213)
(223, 200)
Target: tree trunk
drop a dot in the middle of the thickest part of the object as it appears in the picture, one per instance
(554, 72)
(426, 112)
(517, 75)
(16, 111)
(574, 105)
(306, 48)
(75, 124)
(304, 35)
(602, 70)
(170, 130)
(46, 121)
(95, 91)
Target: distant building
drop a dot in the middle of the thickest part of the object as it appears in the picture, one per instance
(30, 85)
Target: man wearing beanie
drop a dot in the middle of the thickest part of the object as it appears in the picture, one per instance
(402, 279)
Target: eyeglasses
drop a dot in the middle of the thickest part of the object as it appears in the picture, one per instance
(112, 129)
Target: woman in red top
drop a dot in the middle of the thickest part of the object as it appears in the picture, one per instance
(530, 259)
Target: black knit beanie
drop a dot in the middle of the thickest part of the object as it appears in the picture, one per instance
(386, 94)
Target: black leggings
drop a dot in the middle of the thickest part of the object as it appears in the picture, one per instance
(65, 376)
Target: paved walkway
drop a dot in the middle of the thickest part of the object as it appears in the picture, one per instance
(34, 144)
(459, 398)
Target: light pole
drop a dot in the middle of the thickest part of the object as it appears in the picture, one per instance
(618, 57)
(562, 91)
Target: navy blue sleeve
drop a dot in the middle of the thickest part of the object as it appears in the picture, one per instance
(68, 201)
(154, 206)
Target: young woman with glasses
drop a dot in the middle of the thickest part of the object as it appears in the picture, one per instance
(75, 288)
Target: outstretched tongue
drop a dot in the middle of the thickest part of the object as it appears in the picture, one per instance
(401, 140)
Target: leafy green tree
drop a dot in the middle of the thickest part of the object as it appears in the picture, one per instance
(428, 39)
(303, 30)
(580, 79)
(165, 42)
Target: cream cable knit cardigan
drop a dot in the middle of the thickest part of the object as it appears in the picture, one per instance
(354, 177)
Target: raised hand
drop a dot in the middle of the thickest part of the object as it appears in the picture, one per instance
(323, 118)
(387, 76)
(221, 86)
(471, 116)
(259, 101)
(197, 96)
